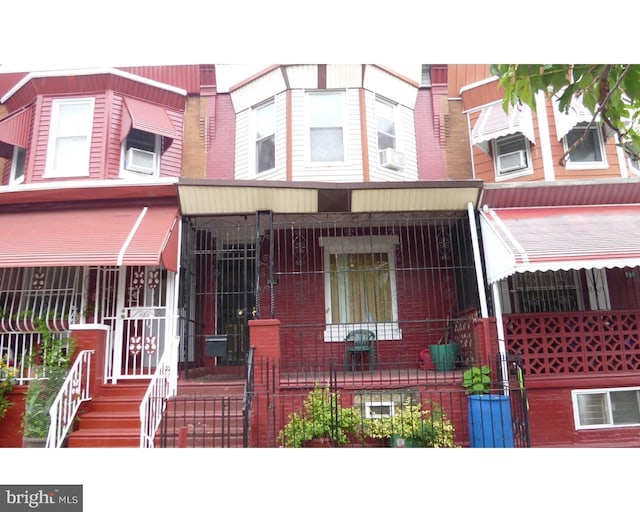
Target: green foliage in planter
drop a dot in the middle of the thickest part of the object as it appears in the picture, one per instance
(51, 363)
(426, 428)
(476, 380)
(322, 417)
(7, 381)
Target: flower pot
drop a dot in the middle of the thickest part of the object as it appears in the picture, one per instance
(490, 423)
(444, 356)
(34, 442)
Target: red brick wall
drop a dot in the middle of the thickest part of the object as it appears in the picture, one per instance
(221, 155)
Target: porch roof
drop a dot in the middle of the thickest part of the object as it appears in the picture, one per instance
(534, 239)
(124, 235)
(199, 197)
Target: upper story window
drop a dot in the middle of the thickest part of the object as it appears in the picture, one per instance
(17, 165)
(326, 126)
(70, 138)
(511, 155)
(387, 142)
(265, 123)
(590, 152)
(141, 154)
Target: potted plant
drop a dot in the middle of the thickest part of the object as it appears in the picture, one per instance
(7, 381)
(50, 364)
(414, 427)
(489, 414)
(444, 353)
(323, 422)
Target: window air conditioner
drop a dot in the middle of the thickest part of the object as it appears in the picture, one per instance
(512, 161)
(392, 159)
(138, 160)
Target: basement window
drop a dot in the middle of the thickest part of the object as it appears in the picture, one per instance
(604, 408)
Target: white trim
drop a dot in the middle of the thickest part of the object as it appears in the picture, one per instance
(595, 164)
(14, 166)
(87, 72)
(50, 171)
(126, 243)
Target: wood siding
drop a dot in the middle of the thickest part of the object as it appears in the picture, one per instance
(460, 75)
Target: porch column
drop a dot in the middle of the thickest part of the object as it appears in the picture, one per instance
(264, 337)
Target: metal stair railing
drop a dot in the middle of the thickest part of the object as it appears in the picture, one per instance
(73, 392)
(163, 385)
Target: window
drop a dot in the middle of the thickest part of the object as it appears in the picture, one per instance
(326, 120)
(590, 152)
(141, 154)
(360, 285)
(265, 137)
(538, 292)
(598, 408)
(70, 138)
(511, 154)
(17, 165)
(385, 125)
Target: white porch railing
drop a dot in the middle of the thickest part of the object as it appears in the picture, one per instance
(163, 385)
(73, 392)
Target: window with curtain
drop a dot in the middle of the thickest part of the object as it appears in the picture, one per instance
(360, 285)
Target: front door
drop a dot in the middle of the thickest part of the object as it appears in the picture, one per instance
(139, 331)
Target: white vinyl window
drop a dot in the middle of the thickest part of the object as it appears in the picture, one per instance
(141, 154)
(70, 138)
(590, 152)
(17, 165)
(511, 155)
(602, 408)
(265, 137)
(326, 126)
(386, 126)
(360, 286)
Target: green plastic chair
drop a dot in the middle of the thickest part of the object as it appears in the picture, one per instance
(357, 343)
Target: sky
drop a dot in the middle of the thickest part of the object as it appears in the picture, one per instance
(61, 34)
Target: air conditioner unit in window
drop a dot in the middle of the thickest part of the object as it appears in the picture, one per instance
(392, 159)
(512, 161)
(139, 160)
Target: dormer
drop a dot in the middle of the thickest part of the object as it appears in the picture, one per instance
(326, 122)
(91, 124)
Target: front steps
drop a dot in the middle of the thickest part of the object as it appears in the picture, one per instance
(112, 419)
(204, 414)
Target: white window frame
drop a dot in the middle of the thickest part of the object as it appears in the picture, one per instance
(312, 125)
(268, 132)
(388, 330)
(372, 414)
(607, 413)
(509, 174)
(18, 165)
(134, 174)
(596, 164)
(383, 108)
(82, 129)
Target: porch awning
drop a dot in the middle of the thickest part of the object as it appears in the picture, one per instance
(559, 238)
(128, 235)
(147, 117)
(494, 123)
(14, 131)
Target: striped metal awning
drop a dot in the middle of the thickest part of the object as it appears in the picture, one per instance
(559, 238)
(124, 235)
